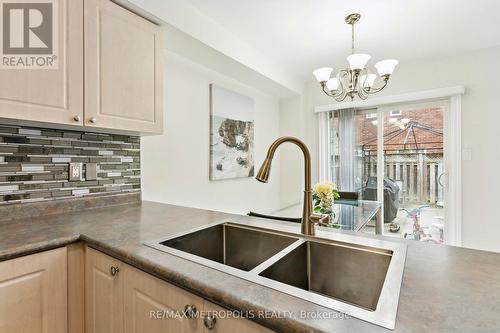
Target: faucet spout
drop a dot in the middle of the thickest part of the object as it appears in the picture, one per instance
(308, 218)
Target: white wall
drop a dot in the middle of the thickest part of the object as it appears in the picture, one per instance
(292, 117)
(184, 16)
(175, 165)
(479, 73)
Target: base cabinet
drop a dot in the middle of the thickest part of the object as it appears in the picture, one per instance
(154, 306)
(33, 293)
(147, 304)
(39, 292)
(103, 293)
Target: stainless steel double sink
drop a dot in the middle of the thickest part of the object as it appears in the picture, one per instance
(355, 275)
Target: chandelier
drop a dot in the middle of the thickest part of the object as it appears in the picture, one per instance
(356, 79)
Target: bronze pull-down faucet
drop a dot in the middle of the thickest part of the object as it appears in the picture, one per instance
(308, 217)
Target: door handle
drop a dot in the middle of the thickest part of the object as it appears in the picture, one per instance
(440, 177)
(209, 322)
(190, 311)
(114, 270)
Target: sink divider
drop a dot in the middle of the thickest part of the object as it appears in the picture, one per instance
(272, 260)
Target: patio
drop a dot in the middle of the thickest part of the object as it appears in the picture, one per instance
(428, 217)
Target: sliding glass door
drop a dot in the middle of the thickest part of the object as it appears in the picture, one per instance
(395, 155)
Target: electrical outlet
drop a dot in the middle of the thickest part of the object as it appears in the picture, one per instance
(75, 172)
(90, 171)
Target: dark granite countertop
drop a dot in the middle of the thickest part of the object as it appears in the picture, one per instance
(445, 289)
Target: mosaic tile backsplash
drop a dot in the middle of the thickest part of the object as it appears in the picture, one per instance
(34, 164)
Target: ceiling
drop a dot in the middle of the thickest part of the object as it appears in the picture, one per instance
(302, 35)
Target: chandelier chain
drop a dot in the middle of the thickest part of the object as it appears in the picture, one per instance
(352, 38)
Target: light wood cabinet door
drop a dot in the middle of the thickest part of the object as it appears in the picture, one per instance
(154, 306)
(103, 293)
(227, 324)
(33, 293)
(123, 69)
(50, 95)
(136, 302)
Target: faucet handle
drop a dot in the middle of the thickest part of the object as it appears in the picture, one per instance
(319, 218)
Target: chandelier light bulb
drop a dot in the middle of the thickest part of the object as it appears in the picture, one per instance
(332, 84)
(386, 67)
(368, 80)
(323, 74)
(358, 61)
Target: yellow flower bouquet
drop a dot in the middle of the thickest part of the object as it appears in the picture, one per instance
(324, 195)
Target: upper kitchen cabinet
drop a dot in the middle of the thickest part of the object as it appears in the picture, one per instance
(88, 63)
(41, 72)
(123, 69)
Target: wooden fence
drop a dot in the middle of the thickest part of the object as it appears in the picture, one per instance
(416, 174)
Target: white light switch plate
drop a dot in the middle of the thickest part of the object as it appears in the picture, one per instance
(75, 172)
(466, 154)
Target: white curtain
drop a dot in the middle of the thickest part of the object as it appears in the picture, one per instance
(347, 133)
(344, 141)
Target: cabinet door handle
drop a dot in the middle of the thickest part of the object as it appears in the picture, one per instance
(209, 322)
(190, 311)
(93, 120)
(77, 118)
(114, 270)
